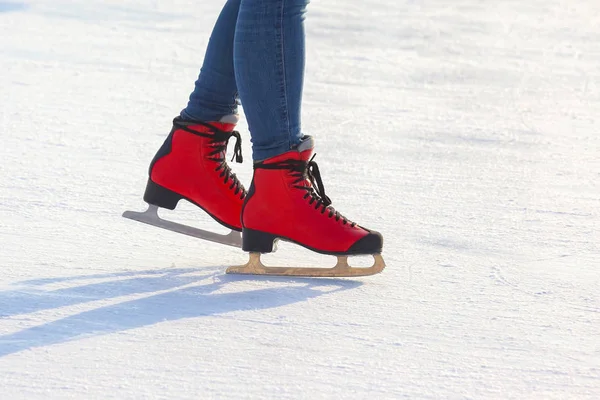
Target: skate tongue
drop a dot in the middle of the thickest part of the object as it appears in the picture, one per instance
(300, 152)
(305, 148)
(230, 119)
(223, 126)
(227, 123)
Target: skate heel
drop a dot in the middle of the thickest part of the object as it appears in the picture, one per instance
(257, 241)
(161, 196)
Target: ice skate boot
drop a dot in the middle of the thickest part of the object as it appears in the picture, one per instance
(191, 165)
(287, 201)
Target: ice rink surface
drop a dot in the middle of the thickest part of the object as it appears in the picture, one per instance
(465, 131)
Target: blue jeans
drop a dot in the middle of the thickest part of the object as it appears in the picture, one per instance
(256, 55)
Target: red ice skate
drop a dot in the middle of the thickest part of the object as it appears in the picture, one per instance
(191, 165)
(284, 203)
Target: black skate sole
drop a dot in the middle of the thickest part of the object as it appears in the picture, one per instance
(255, 241)
(162, 197)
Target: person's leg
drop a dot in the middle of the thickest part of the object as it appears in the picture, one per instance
(286, 199)
(191, 164)
(269, 69)
(215, 92)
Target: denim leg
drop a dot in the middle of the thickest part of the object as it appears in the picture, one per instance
(269, 56)
(215, 94)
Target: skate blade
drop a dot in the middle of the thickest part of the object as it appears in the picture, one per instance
(150, 217)
(341, 269)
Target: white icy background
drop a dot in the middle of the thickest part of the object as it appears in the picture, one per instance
(465, 131)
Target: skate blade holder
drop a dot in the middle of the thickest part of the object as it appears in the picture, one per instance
(342, 269)
(150, 217)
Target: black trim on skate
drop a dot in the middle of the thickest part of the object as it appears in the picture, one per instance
(249, 195)
(259, 242)
(161, 196)
(255, 241)
(371, 241)
(216, 134)
(180, 123)
(164, 149)
(165, 198)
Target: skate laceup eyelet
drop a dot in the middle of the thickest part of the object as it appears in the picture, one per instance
(219, 143)
(332, 212)
(316, 190)
(304, 171)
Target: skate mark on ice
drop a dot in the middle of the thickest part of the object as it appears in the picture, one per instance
(498, 275)
(563, 291)
(178, 297)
